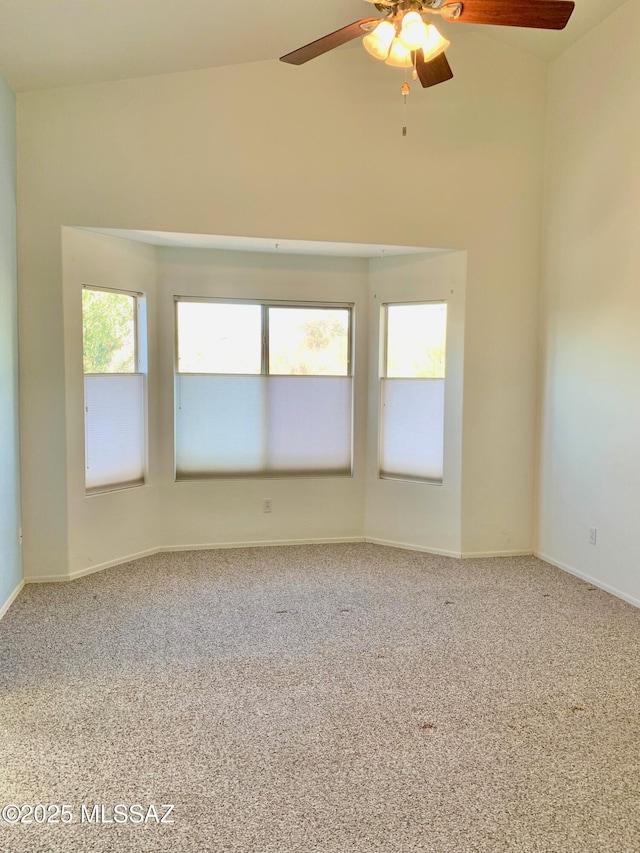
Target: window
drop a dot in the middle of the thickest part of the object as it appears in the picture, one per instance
(113, 389)
(412, 391)
(262, 389)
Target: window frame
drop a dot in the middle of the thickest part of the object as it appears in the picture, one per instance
(265, 304)
(383, 375)
(140, 358)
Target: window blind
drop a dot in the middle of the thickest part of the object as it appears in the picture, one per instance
(114, 429)
(230, 426)
(412, 429)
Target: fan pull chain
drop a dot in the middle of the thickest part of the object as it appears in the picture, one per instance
(405, 89)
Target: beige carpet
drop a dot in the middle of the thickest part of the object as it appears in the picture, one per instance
(339, 699)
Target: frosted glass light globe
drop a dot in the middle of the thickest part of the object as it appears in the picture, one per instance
(378, 42)
(413, 32)
(399, 56)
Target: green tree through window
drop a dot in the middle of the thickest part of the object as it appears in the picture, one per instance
(108, 332)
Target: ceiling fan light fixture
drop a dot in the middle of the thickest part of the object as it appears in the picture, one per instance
(378, 42)
(434, 44)
(399, 56)
(413, 32)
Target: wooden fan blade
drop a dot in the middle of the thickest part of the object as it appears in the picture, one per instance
(326, 43)
(433, 72)
(538, 14)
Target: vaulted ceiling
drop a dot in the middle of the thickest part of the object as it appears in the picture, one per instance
(50, 43)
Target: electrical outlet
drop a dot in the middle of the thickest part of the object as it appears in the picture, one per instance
(592, 535)
(266, 505)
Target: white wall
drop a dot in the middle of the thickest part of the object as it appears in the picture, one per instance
(272, 150)
(10, 550)
(420, 515)
(590, 458)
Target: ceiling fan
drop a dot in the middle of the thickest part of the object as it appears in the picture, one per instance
(405, 36)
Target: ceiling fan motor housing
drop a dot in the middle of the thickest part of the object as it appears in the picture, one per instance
(409, 5)
(452, 11)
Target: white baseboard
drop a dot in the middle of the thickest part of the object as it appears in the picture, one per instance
(405, 546)
(89, 570)
(257, 543)
(213, 546)
(468, 555)
(585, 577)
(265, 543)
(464, 555)
(11, 599)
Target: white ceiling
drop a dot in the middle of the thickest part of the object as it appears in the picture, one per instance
(50, 43)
